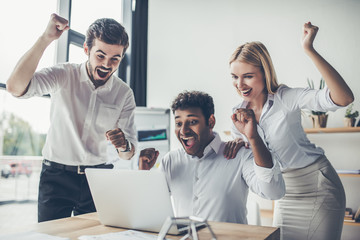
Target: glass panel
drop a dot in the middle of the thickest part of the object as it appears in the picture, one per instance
(22, 28)
(77, 54)
(23, 123)
(85, 12)
(23, 128)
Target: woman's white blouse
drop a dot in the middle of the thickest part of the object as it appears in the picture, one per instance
(280, 124)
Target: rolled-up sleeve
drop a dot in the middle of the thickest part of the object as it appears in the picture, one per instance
(318, 100)
(265, 182)
(46, 81)
(307, 98)
(267, 174)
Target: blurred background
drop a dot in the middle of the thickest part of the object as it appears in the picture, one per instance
(188, 45)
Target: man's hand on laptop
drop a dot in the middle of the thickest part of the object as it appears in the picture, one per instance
(147, 158)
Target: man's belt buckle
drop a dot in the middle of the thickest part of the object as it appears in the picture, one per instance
(47, 163)
(79, 170)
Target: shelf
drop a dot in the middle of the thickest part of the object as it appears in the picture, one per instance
(348, 175)
(323, 130)
(228, 133)
(332, 130)
(266, 213)
(352, 223)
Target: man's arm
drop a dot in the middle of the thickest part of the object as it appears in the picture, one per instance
(125, 149)
(19, 79)
(124, 154)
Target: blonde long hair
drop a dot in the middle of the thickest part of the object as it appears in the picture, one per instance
(256, 54)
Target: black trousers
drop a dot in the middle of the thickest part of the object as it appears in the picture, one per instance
(63, 191)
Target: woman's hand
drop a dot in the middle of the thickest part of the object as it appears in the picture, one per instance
(232, 147)
(309, 34)
(244, 120)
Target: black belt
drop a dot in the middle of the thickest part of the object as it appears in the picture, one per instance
(80, 169)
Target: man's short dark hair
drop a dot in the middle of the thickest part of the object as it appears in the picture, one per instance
(109, 31)
(198, 99)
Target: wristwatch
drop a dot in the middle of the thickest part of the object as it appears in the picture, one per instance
(128, 147)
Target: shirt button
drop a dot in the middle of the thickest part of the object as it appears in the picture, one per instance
(195, 198)
(196, 179)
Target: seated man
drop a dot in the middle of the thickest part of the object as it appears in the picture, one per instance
(202, 181)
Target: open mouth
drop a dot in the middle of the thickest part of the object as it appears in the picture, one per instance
(102, 73)
(188, 142)
(246, 92)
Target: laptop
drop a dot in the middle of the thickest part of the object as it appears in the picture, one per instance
(132, 199)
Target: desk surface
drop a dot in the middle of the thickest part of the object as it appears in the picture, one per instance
(88, 224)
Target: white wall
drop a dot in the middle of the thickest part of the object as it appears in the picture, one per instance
(190, 42)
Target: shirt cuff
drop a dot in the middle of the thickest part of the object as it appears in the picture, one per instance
(267, 174)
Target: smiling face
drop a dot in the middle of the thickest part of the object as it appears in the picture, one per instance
(104, 60)
(192, 131)
(248, 80)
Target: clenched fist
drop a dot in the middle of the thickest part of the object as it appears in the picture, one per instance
(147, 159)
(244, 120)
(117, 138)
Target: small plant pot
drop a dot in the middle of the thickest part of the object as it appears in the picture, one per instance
(319, 121)
(349, 122)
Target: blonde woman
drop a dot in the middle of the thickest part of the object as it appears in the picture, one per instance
(314, 204)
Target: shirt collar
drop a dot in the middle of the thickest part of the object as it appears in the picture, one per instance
(84, 77)
(213, 146)
(268, 104)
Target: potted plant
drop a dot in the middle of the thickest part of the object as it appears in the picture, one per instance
(350, 116)
(319, 119)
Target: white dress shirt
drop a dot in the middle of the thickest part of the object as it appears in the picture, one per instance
(280, 124)
(80, 115)
(215, 188)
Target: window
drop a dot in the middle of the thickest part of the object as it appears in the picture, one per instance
(23, 127)
(76, 54)
(20, 29)
(23, 123)
(83, 13)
